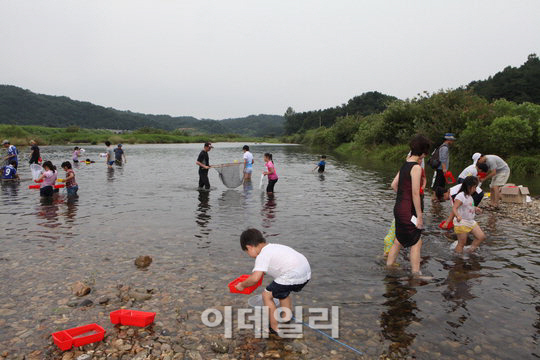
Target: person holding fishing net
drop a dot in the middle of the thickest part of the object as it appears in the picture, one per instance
(203, 161)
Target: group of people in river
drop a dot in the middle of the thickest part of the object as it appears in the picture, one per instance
(48, 175)
(203, 162)
(410, 183)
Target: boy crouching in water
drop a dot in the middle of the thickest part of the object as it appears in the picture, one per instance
(289, 268)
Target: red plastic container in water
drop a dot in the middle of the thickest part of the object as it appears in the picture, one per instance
(443, 225)
(132, 317)
(449, 177)
(248, 290)
(38, 181)
(33, 186)
(59, 186)
(78, 336)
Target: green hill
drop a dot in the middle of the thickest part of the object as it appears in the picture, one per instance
(520, 84)
(23, 107)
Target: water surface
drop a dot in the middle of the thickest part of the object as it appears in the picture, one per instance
(483, 306)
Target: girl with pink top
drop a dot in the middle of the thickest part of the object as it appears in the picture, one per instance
(271, 172)
(48, 177)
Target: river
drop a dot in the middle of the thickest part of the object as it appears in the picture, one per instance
(483, 306)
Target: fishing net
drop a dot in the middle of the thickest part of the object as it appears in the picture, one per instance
(36, 171)
(231, 175)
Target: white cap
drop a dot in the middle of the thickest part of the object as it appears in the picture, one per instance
(475, 157)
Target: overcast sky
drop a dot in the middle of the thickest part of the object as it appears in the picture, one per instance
(229, 58)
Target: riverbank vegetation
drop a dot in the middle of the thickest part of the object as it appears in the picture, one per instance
(21, 135)
(509, 129)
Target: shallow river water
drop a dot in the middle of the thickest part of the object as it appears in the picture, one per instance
(485, 306)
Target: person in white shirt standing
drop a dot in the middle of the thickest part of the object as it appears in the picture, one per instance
(248, 163)
(289, 268)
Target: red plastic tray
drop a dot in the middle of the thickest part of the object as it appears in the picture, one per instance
(248, 290)
(450, 226)
(38, 181)
(78, 336)
(59, 186)
(132, 317)
(33, 186)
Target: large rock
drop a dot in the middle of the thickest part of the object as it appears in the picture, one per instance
(143, 261)
(80, 289)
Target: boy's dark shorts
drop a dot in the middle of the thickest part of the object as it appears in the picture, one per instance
(282, 291)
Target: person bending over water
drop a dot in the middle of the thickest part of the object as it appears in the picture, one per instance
(464, 212)
(408, 208)
(289, 268)
(270, 172)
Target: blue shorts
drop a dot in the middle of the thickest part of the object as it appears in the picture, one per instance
(110, 163)
(72, 191)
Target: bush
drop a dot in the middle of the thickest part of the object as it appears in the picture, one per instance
(370, 131)
(510, 134)
(524, 165)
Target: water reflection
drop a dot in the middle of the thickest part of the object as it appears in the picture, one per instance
(10, 190)
(400, 313)
(202, 216)
(110, 174)
(71, 209)
(268, 211)
(459, 285)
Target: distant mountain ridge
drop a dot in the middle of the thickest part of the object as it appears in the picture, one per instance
(23, 107)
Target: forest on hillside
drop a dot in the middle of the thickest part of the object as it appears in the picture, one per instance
(23, 107)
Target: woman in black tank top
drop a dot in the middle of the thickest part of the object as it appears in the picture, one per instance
(408, 204)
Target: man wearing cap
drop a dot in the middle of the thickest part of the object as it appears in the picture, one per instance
(119, 155)
(12, 153)
(498, 172)
(204, 164)
(439, 179)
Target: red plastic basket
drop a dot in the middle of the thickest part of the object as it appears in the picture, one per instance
(59, 186)
(132, 317)
(449, 177)
(33, 186)
(248, 290)
(443, 226)
(78, 336)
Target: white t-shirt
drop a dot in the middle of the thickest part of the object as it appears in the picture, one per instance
(466, 210)
(286, 265)
(455, 189)
(470, 170)
(249, 157)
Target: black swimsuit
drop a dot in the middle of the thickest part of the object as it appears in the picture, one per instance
(406, 232)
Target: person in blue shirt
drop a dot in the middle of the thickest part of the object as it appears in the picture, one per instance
(12, 153)
(9, 172)
(321, 165)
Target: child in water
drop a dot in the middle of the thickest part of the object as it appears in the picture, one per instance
(270, 172)
(321, 165)
(71, 185)
(47, 178)
(76, 154)
(9, 172)
(464, 212)
(289, 268)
